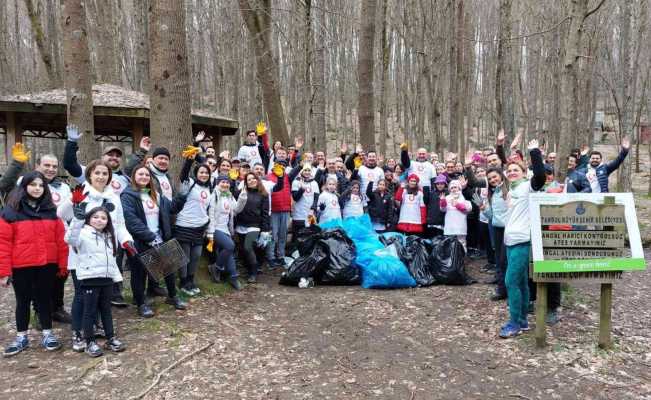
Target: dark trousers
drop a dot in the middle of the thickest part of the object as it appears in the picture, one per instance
(553, 294)
(472, 238)
(34, 283)
(485, 242)
(432, 232)
(139, 277)
(248, 249)
(297, 227)
(117, 286)
(97, 299)
(500, 259)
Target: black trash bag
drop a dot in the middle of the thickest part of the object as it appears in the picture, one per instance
(448, 267)
(340, 269)
(399, 247)
(308, 266)
(305, 239)
(420, 263)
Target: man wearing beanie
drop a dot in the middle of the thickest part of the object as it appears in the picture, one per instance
(158, 166)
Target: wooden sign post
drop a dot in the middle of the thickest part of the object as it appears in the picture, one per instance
(583, 237)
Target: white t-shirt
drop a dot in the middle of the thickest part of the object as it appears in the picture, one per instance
(249, 154)
(424, 170)
(593, 179)
(332, 209)
(410, 207)
(354, 207)
(195, 210)
(367, 175)
(517, 229)
(152, 212)
(303, 205)
(220, 213)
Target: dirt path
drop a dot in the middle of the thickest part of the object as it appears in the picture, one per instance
(274, 342)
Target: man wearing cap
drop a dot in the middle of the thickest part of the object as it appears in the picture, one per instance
(158, 166)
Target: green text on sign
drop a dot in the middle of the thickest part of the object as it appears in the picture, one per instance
(603, 264)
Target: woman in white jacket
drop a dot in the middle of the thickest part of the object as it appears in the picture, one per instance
(220, 232)
(92, 238)
(94, 192)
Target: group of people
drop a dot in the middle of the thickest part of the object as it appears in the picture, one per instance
(244, 208)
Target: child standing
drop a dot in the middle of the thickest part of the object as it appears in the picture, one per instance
(328, 203)
(305, 192)
(456, 207)
(380, 206)
(411, 203)
(351, 202)
(92, 237)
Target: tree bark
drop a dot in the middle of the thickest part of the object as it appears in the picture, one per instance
(385, 45)
(170, 102)
(78, 76)
(318, 82)
(43, 45)
(453, 139)
(365, 75)
(504, 80)
(257, 17)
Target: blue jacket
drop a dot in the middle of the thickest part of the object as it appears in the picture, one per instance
(136, 222)
(604, 170)
(577, 182)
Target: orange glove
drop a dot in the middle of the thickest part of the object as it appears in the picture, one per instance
(403, 146)
(358, 162)
(261, 128)
(19, 154)
(190, 151)
(210, 245)
(278, 170)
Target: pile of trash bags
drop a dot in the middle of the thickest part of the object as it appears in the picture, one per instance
(349, 251)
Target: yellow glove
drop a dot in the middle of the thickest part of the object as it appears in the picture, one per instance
(403, 146)
(278, 170)
(18, 153)
(209, 245)
(261, 128)
(311, 219)
(190, 151)
(233, 173)
(358, 162)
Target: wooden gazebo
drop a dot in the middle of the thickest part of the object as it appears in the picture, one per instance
(121, 115)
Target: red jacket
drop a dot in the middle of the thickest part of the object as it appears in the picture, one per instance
(31, 239)
(281, 201)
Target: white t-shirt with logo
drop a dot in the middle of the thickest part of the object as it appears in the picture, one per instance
(303, 205)
(195, 210)
(410, 207)
(593, 179)
(353, 207)
(249, 154)
(332, 209)
(367, 175)
(424, 170)
(152, 212)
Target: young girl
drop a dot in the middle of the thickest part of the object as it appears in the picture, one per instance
(192, 220)
(436, 216)
(380, 206)
(456, 207)
(220, 232)
(328, 203)
(496, 210)
(305, 192)
(411, 202)
(148, 218)
(32, 254)
(517, 238)
(92, 237)
(351, 201)
(252, 220)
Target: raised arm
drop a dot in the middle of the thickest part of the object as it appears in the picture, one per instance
(538, 166)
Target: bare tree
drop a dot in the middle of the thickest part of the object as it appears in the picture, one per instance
(365, 67)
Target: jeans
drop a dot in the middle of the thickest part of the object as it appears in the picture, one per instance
(248, 250)
(77, 304)
(139, 277)
(193, 252)
(500, 258)
(117, 286)
(485, 242)
(34, 283)
(553, 294)
(224, 247)
(276, 248)
(97, 298)
(517, 285)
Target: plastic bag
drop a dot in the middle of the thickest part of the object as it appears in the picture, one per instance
(305, 239)
(419, 262)
(447, 257)
(307, 266)
(340, 269)
(382, 270)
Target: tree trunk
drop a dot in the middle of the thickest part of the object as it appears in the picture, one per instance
(170, 102)
(365, 75)
(77, 75)
(385, 45)
(506, 111)
(257, 17)
(142, 44)
(43, 45)
(453, 140)
(107, 69)
(318, 82)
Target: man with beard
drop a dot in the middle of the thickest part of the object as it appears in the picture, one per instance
(367, 169)
(330, 171)
(598, 172)
(422, 168)
(112, 156)
(575, 181)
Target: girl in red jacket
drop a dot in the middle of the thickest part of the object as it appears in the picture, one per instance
(32, 253)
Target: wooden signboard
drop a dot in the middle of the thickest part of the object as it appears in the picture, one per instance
(583, 237)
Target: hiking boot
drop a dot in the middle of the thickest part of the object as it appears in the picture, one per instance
(176, 302)
(50, 342)
(215, 273)
(61, 315)
(98, 331)
(552, 318)
(509, 330)
(93, 349)
(78, 343)
(114, 345)
(145, 311)
(15, 347)
(118, 301)
(235, 283)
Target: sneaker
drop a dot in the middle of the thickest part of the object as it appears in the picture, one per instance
(177, 303)
(510, 329)
(157, 291)
(50, 342)
(251, 279)
(145, 311)
(552, 318)
(187, 290)
(99, 332)
(524, 326)
(78, 343)
(61, 315)
(118, 301)
(93, 350)
(498, 296)
(15, 347)
(235, 283)
(114, 345)
(215, 273)
(195, 290)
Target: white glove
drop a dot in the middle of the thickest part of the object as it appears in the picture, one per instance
(73, 133)
(533, 144)
(156, 242)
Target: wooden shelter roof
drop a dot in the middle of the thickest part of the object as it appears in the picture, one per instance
(115, 108)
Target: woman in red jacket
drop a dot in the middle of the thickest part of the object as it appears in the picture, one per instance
(32, 253)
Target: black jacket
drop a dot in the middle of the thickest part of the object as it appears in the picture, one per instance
(434, 214)
(136, 222)
(380, 207)
(322, 175)
(255, 212)
(577, 182)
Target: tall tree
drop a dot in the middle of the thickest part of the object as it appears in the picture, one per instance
(76, 58)
(365, 63)
(318, 81)
(453, 67)
(43, 44)
(504, 77)
(257, 18)
(170, 102)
